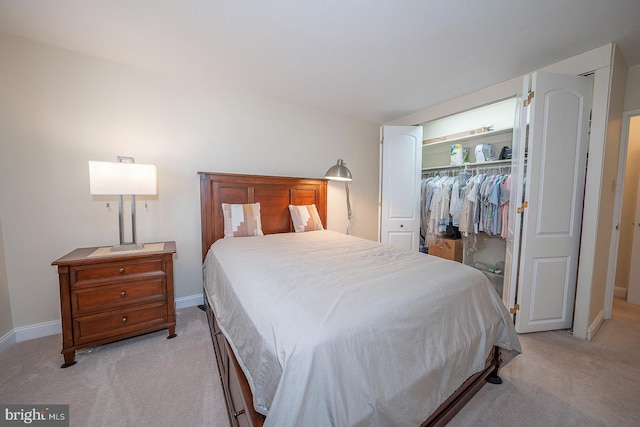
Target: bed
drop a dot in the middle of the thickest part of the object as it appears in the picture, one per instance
(320, 328)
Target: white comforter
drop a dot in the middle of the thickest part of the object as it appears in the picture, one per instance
(333, 330)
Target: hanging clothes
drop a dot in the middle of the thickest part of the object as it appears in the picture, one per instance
(457, 197)
(474, 203)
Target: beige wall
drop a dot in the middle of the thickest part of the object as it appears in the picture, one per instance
(59, 109)
(632, 173)
(632, 94)
(6, 323)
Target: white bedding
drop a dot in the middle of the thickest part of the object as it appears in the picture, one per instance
(334, 330)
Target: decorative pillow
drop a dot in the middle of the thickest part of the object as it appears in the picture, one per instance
(242, 220)
(305, 218)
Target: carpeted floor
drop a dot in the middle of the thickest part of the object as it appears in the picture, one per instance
(559, 380)
(142, 381)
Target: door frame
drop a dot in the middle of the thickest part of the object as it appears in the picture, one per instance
(617, 211)
(553, 250)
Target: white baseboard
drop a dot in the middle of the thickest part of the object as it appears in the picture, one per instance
(189, 301)
(7, 341)
(595, 326)
(24, 333)
(620, 292)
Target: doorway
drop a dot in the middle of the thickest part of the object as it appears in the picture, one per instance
(624, 211)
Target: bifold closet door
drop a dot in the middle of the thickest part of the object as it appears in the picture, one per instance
(400, 173)
(514, 225)
(551, 224)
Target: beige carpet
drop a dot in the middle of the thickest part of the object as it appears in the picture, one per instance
(142, 381)
(559, 380)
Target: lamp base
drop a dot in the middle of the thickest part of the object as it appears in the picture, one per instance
(127, 247)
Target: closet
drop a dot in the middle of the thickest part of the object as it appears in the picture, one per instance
(465, 155)
(546, 123)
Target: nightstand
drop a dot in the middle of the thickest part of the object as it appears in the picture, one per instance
(108, 296)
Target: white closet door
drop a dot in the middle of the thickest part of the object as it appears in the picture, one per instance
(551, 225)
(400, 173)
(512, 251)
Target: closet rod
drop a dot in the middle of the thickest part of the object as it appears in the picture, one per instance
(475, 167)
(467, 165)
(488, 168)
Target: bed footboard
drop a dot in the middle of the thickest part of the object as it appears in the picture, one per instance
(240, 400)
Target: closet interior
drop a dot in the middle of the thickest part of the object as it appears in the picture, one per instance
(466, 185)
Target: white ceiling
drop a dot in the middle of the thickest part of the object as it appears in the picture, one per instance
(373, 59)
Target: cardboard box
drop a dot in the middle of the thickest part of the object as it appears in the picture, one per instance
(448, 249)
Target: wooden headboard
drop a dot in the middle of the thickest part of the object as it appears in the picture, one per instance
(275, 194)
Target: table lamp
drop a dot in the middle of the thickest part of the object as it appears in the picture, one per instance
(124, 177)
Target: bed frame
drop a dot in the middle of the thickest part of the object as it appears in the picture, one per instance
(275, 193)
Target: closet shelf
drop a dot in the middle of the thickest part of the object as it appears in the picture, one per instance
(444, 139)
(466, 165)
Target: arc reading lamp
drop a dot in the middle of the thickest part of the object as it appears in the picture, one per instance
(340, 172)
(123, 178)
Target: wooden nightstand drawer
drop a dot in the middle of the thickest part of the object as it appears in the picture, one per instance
(113, 271)
(88, 299)
(118, 322)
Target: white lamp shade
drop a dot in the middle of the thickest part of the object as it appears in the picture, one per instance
(111, 178)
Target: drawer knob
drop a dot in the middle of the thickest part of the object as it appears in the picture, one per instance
(123, 293)
(121, 270)
(124, 320)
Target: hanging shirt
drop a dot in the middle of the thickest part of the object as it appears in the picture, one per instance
(505, 196)
(476, 197)
(458, 193)
(495, 219)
